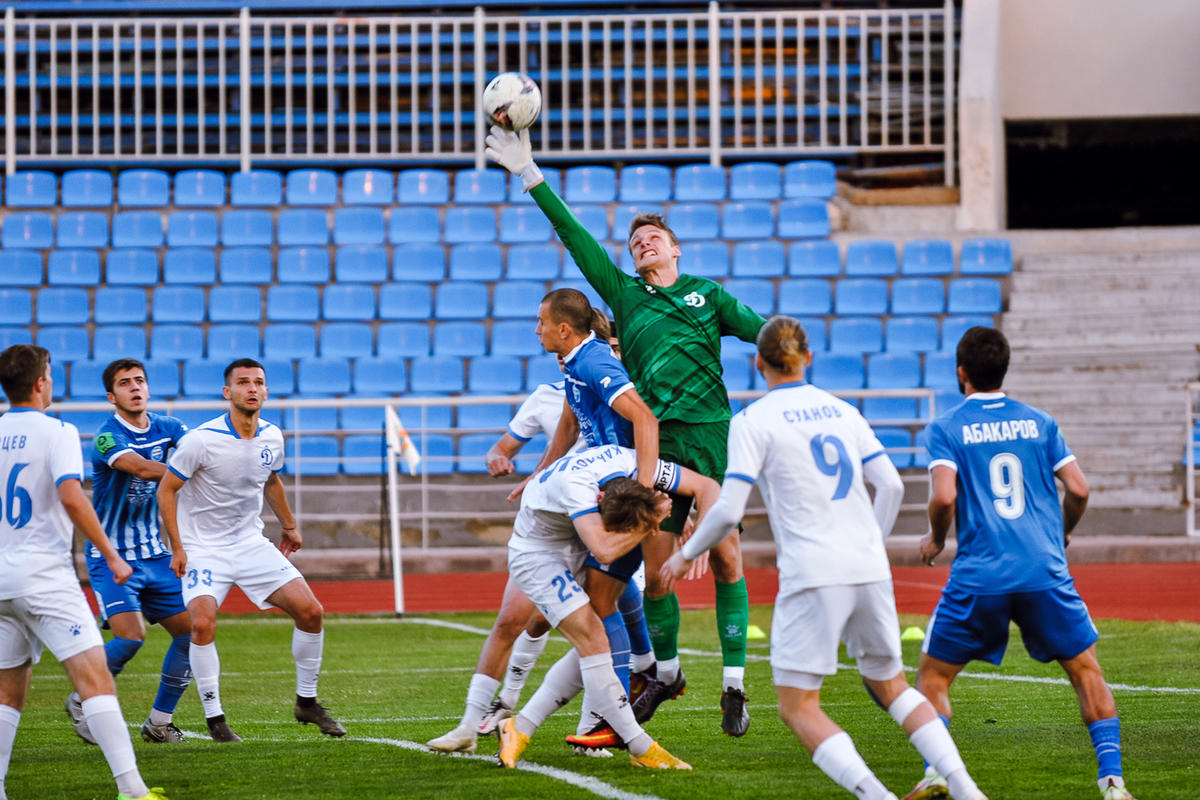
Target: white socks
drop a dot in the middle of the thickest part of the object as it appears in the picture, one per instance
(668, 670)
(608, 699)
(306, 650)
(525, 653)
(160, 717)
(206, 669)
(9, 719)
(838, 758)
(103, 714)
(933, 742)
(640, 662)
(560, 685)
(479, 697)
(733, 678)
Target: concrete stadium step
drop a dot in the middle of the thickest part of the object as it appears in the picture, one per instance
(1092, 261)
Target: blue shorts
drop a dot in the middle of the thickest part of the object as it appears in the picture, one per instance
(622, 569)
(152, 589)
(1054, 625)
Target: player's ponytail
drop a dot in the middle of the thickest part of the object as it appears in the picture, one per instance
(783, 345)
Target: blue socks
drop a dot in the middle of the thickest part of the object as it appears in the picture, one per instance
(176, 675)
(618, 640)
(1106, 739)
(630, 606)
(118, 651)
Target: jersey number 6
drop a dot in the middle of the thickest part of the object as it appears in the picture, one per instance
(17, 500)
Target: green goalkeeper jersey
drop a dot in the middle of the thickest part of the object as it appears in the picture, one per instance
(670, 336)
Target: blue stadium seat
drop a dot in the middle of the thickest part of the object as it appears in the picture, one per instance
(817, 259)
(425, 417)
(590, 184)
(311, 187)
(533, 262)
(319, 419)
(72, 267)
(135, 266)
(593, 217)
(493, 375)
(318, 376)
(516, 299)
(10, 336)
(361, 263)
(137, 229)
(304, 265)
(16, 307)
(176, 304)
(473, 224)
(526, 460)
(118, 305)
(312, 455)
(419, 261)
(347, 340)
(803, 218)
(58, 372)
(480, 186)
(645, 183)
(974, 296)
(754, 180)
(88, 423)
(368, 187)
(516, 188)
(736, 372)
(515, 337)
(414, 224)
(954, 327)
(258, 187)
(190, 265)
(495, 417)
(809, 179)
(705, 259)
(918, 296)
(927, 257)
(234, 340)
(423, 186)
(751, 219)
(861, 296)
(192, 229)
(33, 188)
(87, 188)
(177, 342)
(379, 376)
(459, 338)
(520, 224)
(911, 335)
(234, 304)
(694, 220)
(758, 259)
(985, 257)
(871, 257)
(405, 301)
(439, 374)
(542, 369)
(147, 188)
(475, 262)
(623, 217)
(289, 340)
(27, 229)
(358, 225)
(65, 343)
(163, 377)
(199, 187)
(82, 229)
(836, 371)
(893, 439)
(757, 293)
(243, 226)
(473, 447)
(402, 339)
(293, 304)
(303, 226)
(940, 370)
(363, 454)
(281, 377)
(856, 335)
(348, 301)
(701, 182)
(892, 371)
(120, 340)
(818, 333)
(87, 380)
(437, 453)
(20, 268)
(805, 296)
(246, 265)
(60, 306)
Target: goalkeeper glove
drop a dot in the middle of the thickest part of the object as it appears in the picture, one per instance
(512, 151)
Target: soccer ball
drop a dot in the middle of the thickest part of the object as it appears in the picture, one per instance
(512, 100)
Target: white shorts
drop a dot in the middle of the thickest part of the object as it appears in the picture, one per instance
(547, 577)
(808, 625)
(58, 617)
(255, 565)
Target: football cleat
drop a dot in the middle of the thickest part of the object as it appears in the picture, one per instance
(219, 730)
(658, 758)
(638, 681)
(1114, 792)
(161, 733)
(154, 794)
(74, 706)
(512, 743)
(492, 719)
(655, 693)
(459, 740)
(600, 736)
(735, 719)
(318, 715)
(594, 752)
(932, 787)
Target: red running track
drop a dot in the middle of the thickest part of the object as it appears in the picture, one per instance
(1138, 592)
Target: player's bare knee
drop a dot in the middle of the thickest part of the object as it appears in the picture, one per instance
(204, 629)
(310, 616)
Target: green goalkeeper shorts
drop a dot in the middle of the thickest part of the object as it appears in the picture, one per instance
(702, 447)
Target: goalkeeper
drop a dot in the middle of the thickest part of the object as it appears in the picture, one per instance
(670, 327)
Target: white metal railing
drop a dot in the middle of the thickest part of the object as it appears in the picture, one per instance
(252, 89)
(1189, 455)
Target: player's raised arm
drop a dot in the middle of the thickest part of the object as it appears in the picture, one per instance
(79, 509)
(631, 406)
(565, 435)
(627, 513)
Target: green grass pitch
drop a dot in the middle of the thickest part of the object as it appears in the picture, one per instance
(396, 684)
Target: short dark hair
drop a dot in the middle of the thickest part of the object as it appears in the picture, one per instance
(20, 367)
(983, 354)
(627, 505)
(242, 362)
(572, 307)
(120, 365)
(656, 220)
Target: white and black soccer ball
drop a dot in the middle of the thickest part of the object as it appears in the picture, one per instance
(512, 100)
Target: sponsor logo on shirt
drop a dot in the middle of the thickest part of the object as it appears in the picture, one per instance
(266, 457)
(694, 299)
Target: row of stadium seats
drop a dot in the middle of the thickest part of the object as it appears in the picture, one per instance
(708, 258)
(319, 187)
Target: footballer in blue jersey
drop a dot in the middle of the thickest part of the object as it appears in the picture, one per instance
(993, 464)
(129, 455)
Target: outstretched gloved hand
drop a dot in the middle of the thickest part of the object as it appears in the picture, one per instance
(512, 151)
